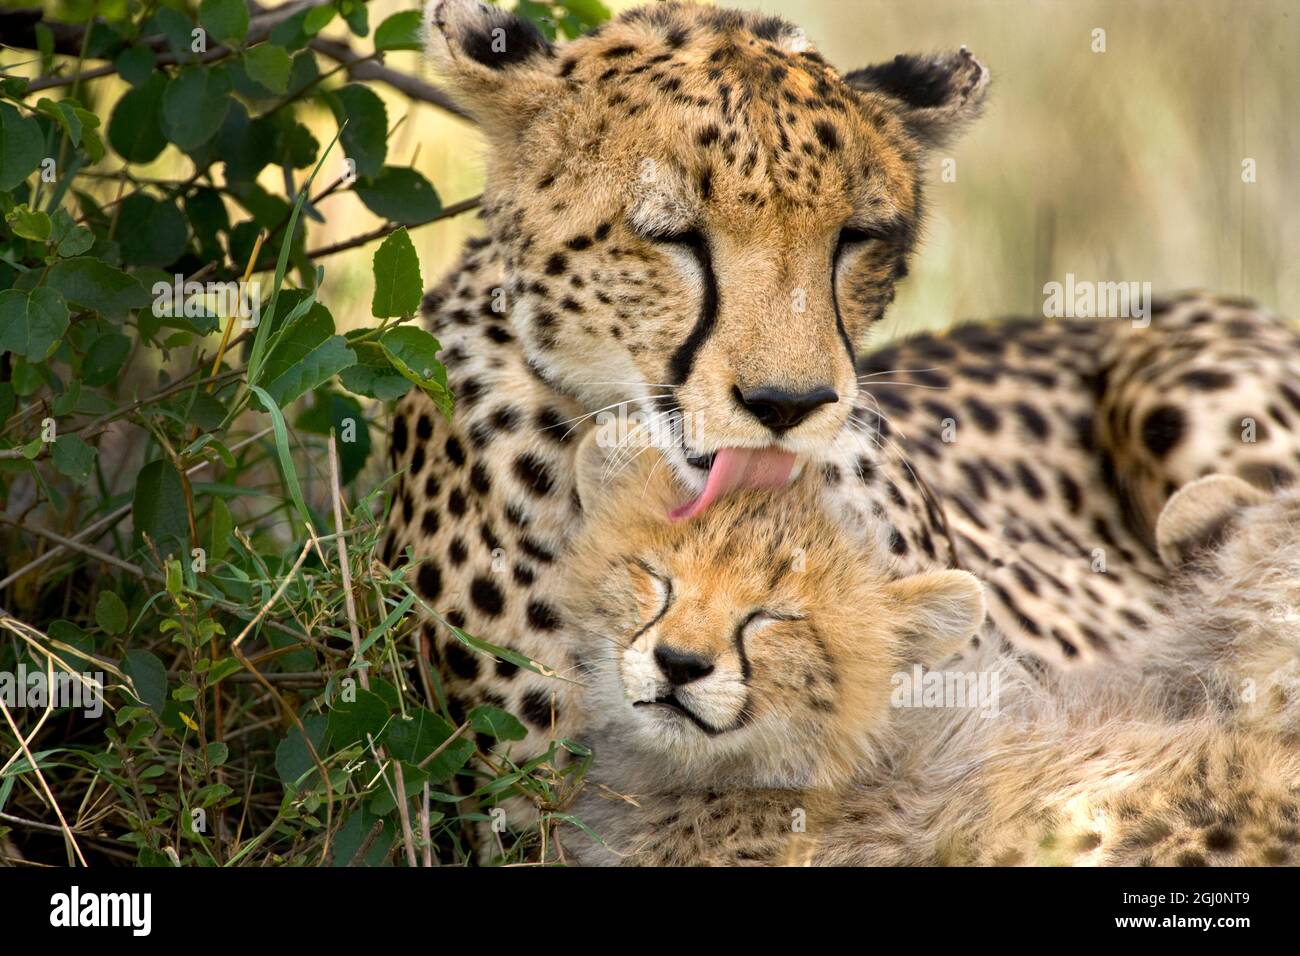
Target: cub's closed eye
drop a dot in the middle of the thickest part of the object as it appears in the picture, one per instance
(757, 620)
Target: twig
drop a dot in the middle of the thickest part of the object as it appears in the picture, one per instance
(444, 745)
(284, 706)
(387, 229)
(67, 830)
(345, 566)
(110, 519)
(360, 68)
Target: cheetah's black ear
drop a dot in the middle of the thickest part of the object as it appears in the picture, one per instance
(1200, 516)
(937, 95)
(497, 65)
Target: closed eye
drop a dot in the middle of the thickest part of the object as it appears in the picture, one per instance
(692, 237)
(756, 620)
(850, 235)
(663, 586)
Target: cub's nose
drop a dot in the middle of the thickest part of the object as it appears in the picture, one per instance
(780, 410)
(681, 667)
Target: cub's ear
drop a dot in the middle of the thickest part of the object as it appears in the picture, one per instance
(936, 95)
(497, 65)
(1200, 515)
(590, 466)
(940, 610)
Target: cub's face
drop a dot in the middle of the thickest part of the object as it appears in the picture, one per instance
(755, 639)
(701, 218)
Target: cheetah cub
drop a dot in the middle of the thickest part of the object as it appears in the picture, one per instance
(740, 670)
(736, 667)
(1185, 753)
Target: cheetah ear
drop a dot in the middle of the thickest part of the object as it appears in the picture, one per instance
(497, 65)
(590, 465)
(937, 95)
(1200, 515)
(941, 611)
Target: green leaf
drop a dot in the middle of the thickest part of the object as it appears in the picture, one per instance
(195, 104)
(284, 452)
(354, 833)
(224, 19)
(246, 145)
(222, 526)
(400, 195)
(365, 138)
(104, 358)
(401, 31)
(135, 64)
(374, 375)
(269, 65)
(69, 238)
(110, 613)
(73, 457)
(258, 352)
(496, 723)
(318, 18)
(158, 509)
(223, 669)
(21, 147)
(589, 12)
(413, 352)
(413, 739)
(217, 753)
(398, 286)
(135, 128)
(32, 323)
(292, 758)
(149, 676)
(93, 284)
(352, 721)
(306, 354)
(29, 223)
(296, 145)
(152, 233)
(65, 115)
(357, 17)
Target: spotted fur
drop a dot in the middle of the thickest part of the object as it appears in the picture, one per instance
(667, 288)
(1187, 760)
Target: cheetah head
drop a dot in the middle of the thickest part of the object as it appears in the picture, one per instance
(757, 643)
(700, 218)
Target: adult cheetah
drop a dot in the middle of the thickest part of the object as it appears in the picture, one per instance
(691, 215)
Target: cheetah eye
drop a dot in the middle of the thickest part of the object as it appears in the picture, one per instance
(854, 236)
(692, 238)
(757, 620)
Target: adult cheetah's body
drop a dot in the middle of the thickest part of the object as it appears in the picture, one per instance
(1064, 438)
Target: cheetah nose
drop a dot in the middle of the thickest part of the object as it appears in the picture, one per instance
(780, 410)
(681, 667)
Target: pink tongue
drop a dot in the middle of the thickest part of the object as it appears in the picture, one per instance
(738, 468)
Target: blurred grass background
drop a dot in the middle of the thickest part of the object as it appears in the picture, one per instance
(1122, 165)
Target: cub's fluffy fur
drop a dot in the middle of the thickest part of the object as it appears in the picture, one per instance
(1184, 753)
